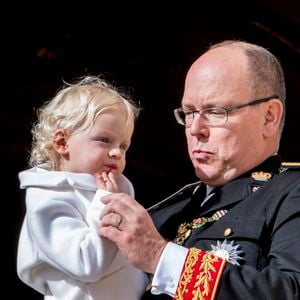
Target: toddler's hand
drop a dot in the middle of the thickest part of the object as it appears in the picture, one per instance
(107, 181)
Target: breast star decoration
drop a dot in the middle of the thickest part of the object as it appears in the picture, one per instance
(227, 250)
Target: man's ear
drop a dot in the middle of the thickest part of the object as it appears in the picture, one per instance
(60, 144)
(273, 115)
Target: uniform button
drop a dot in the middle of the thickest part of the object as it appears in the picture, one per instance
(228, 232)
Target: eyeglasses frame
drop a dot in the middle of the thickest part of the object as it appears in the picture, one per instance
(228, 110)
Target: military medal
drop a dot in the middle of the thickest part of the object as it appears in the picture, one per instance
(228, 251)
(185, 229)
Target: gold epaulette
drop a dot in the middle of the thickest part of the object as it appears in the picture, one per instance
(287, 165)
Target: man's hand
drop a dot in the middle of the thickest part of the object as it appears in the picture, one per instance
(126, 222)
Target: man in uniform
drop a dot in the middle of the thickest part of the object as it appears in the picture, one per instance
(235, 233)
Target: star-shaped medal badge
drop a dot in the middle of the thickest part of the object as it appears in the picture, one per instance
(228, 251)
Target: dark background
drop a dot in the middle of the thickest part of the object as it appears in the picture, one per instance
(145, 48)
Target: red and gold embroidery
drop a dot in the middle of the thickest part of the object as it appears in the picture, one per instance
(200, 276)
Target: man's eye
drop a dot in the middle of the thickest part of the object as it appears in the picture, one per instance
(189, 113)
(214, 111)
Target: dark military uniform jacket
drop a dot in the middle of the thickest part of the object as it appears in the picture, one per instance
(258, 226)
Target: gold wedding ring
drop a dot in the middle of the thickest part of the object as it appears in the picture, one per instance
(119, 222)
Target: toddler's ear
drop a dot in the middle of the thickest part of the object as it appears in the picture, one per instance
(59, 141)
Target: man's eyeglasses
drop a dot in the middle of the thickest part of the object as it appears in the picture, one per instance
(213, 115)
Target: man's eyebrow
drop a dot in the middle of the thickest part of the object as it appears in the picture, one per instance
(207, 105)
